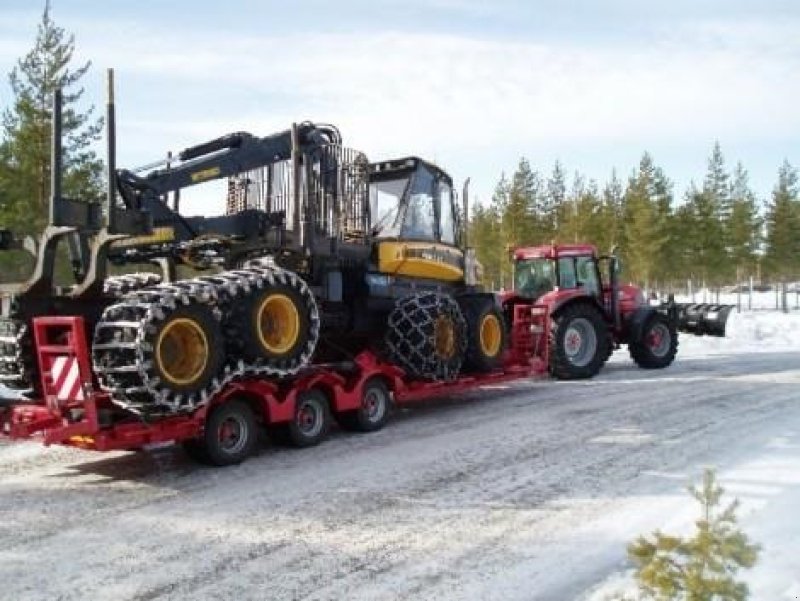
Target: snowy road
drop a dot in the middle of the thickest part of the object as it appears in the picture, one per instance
(528, 492)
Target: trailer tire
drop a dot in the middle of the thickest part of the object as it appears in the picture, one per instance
(486, 334)
(373, 413)
(657, 344)
(578, 342)
(427, 336)
(229, 437)
(311, 421)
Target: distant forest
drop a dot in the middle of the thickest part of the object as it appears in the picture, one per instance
(716, 234)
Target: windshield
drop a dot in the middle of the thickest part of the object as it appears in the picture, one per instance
(534, 277)
(384, 201)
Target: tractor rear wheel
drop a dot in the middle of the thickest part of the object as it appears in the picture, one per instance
(427, 336)
(657, 345)
(486, 334)
(579, 341)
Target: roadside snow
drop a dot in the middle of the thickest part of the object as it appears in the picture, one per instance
(767, 485)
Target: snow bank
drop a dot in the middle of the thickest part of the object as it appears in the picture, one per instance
(748, 332)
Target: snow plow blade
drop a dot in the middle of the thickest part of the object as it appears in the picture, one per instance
(703, 318)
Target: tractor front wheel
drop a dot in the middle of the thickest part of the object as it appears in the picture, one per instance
(657, 344)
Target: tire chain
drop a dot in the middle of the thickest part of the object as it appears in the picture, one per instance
(120, 285)
(16, 355)
(123, 358)
(410, 332)
(17, 360)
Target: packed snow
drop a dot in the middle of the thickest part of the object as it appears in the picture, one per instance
(525, 491)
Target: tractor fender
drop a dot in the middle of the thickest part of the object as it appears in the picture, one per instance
(634, 322)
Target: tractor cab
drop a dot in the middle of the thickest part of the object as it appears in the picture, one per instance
(411, 199)
(539, 270)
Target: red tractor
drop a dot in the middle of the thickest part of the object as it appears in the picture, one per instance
(590, 317)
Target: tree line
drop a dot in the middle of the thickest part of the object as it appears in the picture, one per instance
(717, 233)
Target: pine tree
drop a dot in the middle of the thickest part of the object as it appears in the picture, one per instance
(743, 225)
(783, 224)
(701, 568)
(553, 202)
(25, 147)
(518, 220)
(612, 213)
(646, 200)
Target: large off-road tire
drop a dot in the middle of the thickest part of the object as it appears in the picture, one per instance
(186, 349)
(427, 336)
(17, 359)
(374, 410)
(657, 345)
(486, 334)
(229, 437)
(578, 342)
(276, 325)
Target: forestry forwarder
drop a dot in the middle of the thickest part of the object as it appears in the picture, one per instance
(326, 255)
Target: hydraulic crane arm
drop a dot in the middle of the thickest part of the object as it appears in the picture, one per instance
(223, 157)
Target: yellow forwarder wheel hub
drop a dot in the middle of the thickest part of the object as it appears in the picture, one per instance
(278, 324)
(491, 335)
(182, 351)
(444, 337)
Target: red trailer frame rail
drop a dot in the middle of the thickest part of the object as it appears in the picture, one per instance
(74, 411)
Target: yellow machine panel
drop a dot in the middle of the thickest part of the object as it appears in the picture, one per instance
(421, 260)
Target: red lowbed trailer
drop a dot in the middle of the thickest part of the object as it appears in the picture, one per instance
(74, 411)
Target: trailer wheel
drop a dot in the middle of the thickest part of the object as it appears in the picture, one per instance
(312, 419)
(374, 410)
(229, 437)
(486, 331)
(657, 345)
(278, 324)
(427, 336)
(187, 349)
(578, 342)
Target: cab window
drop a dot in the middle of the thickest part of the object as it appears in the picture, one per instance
(447, 225)
(419, 222)
(566, 272)
(587, 275)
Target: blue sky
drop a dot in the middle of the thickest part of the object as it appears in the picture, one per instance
(473, 85)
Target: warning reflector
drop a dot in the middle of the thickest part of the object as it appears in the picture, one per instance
(66, 375)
